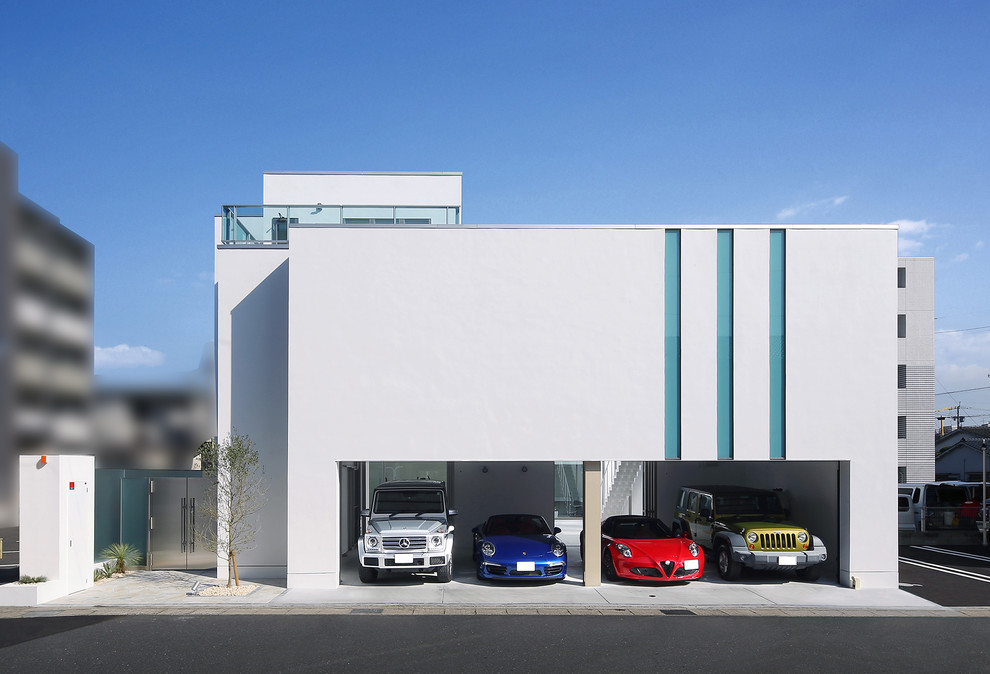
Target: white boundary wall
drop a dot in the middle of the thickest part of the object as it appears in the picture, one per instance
(56, 528)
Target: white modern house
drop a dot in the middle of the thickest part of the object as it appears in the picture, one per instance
(364, 330)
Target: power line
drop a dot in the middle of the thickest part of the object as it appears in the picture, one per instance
(982, 327)
(963, 390)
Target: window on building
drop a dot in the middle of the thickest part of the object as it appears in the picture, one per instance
(901, 428)
(902, 325)
(901, 376)
(902, 478)
(902, 277)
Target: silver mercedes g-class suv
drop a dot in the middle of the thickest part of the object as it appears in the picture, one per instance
(407, 530)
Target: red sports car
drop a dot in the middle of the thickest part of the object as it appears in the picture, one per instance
(643, 548)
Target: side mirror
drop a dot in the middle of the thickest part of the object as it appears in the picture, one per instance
(556, 530)
(365, 512)
(685, 534)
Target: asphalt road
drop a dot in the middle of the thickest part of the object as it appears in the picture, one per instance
(298, 643)
(947, 575)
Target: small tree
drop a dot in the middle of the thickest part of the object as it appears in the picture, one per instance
(236, 493)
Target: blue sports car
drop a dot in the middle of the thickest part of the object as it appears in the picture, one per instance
(519, 547)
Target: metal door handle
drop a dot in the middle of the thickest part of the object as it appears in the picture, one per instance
(183, 524)
(192, 525)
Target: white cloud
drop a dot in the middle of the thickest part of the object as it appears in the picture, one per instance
(123, 356)
(911, 235)
(823, 205)
(961, 257)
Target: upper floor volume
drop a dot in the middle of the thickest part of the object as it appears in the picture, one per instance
(342, 199)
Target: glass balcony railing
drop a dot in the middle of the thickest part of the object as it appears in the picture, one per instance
(270, 224)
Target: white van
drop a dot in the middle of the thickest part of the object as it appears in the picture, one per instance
(932, 505)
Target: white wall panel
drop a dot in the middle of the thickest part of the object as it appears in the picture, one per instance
(841, 391)
(699, 344)
(363, 189)
(751, 344)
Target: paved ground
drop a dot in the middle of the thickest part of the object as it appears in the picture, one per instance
(950, 576)
(757, 594)
(935, 582)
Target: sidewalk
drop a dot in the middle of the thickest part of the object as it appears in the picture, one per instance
(170, 592)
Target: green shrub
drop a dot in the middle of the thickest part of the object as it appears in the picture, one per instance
(103, 572)
(29, 580)
(121, 556)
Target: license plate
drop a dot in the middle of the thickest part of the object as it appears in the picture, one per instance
(403, 559)
(525, 566)
(787, 561)
(691, 565)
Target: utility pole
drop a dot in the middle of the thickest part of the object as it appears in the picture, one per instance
(983, 505)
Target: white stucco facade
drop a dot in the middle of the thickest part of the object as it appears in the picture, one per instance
(475, 343)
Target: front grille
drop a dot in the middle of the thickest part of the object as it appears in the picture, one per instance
(553, 569)
(393, 543)
(417, 561)
(437, 560)
(371, 561)
(648, 571)
(496, 569)
(525, 573)
(778, 540)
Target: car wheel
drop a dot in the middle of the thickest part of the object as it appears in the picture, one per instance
(608, 566)
(367, 574)
(728, 568)
(810, 573)
(581, 537)
(445, 572)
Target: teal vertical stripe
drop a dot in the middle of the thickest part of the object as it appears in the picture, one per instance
(724, 333)
(777, 344)
(672, 344)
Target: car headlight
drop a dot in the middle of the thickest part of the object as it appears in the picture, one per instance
(623, 550)
(559, 549)
(487, 549)
(802, 536)
(752, 537)
(371, 542)
(436, 541)
(693, 549)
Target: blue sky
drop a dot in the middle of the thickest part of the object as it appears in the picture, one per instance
(135, 121)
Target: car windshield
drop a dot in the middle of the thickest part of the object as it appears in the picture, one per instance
(641, 529)
(755, 503)
(517, 525)
(411, 501)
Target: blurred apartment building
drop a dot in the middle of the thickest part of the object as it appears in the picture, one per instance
(154, 425)
(46, 335)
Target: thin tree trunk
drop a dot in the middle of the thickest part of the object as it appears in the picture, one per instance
(237, 578)
(230, 570)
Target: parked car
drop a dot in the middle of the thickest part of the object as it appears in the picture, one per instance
(746, 527)
(407, 531)
(519, 547)
(643, 548)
